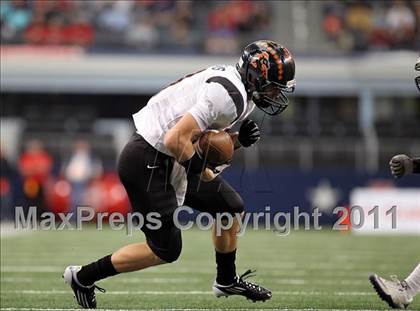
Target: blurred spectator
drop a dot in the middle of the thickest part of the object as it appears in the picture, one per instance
(8, 179)
(417, 38)
(182, 24)
(79, 171)
(372, 25)
(115, 16)
(223, 30)
(35, 166)
(332, 23)
(359, 23)
(379, 37)
(15, 17)
(231, 21)
(142, 33)
(401, 24)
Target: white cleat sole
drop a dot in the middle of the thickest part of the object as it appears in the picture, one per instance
(68, 275)
(218, 293)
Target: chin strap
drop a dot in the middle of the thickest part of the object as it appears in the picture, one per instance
(416, 165)
(102, 290)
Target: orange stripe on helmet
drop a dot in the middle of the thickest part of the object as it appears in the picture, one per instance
(278, 62)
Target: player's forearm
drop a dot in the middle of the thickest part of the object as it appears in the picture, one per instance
(184, 152)
(179, 145)
(178, 140)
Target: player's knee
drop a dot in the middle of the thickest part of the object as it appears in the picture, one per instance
(237, 205)
(167, 245)
(174, 252)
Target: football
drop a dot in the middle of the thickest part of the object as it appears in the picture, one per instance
(216, 146)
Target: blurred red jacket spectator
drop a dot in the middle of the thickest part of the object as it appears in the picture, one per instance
(35, 162)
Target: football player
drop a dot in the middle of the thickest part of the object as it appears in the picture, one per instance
(399, 294)
(161, 170)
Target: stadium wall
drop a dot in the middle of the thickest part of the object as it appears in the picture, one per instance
(43, 69)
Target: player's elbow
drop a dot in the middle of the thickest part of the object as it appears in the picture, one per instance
(171, 141)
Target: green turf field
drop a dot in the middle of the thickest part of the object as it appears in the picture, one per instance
(305, 270)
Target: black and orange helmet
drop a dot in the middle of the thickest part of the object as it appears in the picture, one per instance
(267, 70)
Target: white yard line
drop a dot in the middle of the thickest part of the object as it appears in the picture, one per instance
(31, 269)
(8, 230)
(320, 281)
(194, 292)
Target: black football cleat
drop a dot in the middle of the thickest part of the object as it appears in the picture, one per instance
(241, 287)
(85, 295)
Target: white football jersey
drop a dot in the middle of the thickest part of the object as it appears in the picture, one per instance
(215, 97)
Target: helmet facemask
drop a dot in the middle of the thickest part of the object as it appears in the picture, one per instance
(270, 97)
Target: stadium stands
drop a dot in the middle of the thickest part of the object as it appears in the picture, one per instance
(219, 27)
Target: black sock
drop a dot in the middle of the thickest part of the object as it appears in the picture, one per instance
(226, 269)
(96, 271)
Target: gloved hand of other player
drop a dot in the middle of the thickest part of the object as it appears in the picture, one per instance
(249, 133)
(401, 165)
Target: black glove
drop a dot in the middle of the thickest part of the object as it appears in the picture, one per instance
(249, 133)
(401, 165)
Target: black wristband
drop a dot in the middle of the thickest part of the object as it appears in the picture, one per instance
(416, 166)
(195, 165)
